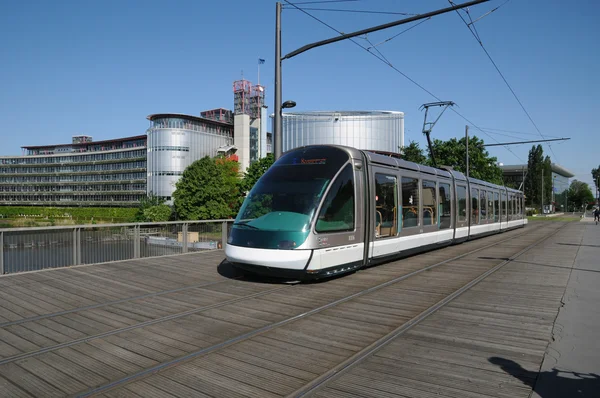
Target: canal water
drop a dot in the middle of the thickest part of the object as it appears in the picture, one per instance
(35, 255)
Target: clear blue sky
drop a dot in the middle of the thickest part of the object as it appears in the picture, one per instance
(99, 68)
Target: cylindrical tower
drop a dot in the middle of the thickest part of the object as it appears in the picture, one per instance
(174, 142)
(370, 130)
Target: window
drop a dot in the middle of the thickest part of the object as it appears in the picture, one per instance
(510, 207)
(461, 193)
(496, 207)
(410, 202)
(474, 206)
(429, 203)
(504, 210)
(445, 208)
(490, 208)
(483, 214)
(386, 205)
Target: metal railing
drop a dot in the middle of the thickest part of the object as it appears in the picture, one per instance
(31, 249)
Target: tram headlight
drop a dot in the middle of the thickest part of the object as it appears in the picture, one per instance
(286, 245)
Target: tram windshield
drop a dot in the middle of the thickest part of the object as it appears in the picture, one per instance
(286, 197)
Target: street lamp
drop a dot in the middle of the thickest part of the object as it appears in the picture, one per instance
(288, 104)
(285, 105)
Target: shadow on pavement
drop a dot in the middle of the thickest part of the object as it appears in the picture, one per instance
(553, 384)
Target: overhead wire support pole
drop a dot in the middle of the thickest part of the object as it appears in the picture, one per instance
(277, 128)
(277, 125)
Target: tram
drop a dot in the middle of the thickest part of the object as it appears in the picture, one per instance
(324, 210)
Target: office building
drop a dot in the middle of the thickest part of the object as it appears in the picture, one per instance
(82, 173)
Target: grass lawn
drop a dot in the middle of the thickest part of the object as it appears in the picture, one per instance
(558, 218)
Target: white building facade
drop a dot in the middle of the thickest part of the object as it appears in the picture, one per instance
(369, 130)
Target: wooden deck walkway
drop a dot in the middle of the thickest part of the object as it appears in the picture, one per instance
(189, 326)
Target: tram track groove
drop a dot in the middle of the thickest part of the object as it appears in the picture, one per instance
(246, 336)
(368, 351)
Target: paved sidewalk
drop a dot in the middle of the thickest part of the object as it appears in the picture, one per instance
(571, 366)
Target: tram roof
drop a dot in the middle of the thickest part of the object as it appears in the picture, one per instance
(405, 164)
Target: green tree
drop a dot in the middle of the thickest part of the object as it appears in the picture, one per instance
(413, 153)
(255, 171)
(596, 177)
(208, 190)
(150, 202)
(481, 165)
(533, 179)
(580, 195)
(548, 184)
(158, 213)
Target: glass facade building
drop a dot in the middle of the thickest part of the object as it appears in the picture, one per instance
(83, 173)
(175, 141)
(514, 175)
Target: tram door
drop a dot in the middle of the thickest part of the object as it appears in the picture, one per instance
(384, 210)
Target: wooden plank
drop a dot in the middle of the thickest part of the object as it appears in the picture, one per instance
(79, 373)
(171, 388)
(306, 340)
(8, 389)
(222, 314)
(51, 375)
(108, 358)
(21, 344)
(122, 353)
(171, 338)
(82, 359)
(305, 360)
(204, 379)
(29, 382)
(244, 377)
(36, 339)
(263, 363)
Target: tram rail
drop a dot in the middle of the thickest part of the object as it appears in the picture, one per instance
(510, 247)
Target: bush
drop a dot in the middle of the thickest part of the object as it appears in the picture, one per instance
(77, 213)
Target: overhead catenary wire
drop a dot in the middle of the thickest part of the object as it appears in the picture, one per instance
(477, 37)
(401, 73)
(489, 12)
(398, 34)
(387, 61)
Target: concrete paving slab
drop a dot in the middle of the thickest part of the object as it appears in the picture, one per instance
(571, 366)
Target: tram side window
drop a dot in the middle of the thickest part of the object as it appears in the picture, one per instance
(504, 206)
(410, 202)
(490, 203)
(337, 212)
(510, 207)
(445, 207)
(386, 205)
(521, 201)
(461, 193)
(484, 209)
(496, 207)
(429, 204)
(474, 206)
